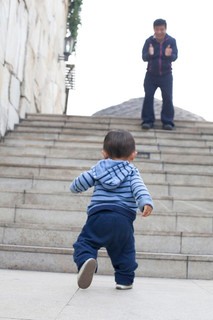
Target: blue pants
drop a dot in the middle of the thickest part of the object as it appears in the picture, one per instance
(114, 232)
(151, 83)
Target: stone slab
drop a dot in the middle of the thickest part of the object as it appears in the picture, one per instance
(140, 163)
(145, 241)
(197, 244)
(196, 268)
(150, 265)
(158, 221)
(7, 215)
(10, 199)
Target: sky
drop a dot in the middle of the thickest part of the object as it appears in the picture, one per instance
(109, 67)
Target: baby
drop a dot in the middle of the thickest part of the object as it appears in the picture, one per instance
(118, 192)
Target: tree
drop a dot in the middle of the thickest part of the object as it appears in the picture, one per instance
(73, 18)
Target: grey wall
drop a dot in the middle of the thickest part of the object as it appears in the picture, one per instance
(31, 78)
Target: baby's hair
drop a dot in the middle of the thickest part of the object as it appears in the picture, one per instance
(119, 144)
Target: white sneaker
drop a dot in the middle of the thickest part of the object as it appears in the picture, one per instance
(86, 273)
(123, 287)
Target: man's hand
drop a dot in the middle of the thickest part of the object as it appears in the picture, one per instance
(147, 210)
(168, 51)
(151, 50)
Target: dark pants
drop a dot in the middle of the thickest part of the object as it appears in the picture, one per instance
(151, 83)
(114, 232)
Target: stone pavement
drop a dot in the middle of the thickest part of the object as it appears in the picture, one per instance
(27, 295)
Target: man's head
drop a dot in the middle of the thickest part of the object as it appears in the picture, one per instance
(119, 144)
(160, 26)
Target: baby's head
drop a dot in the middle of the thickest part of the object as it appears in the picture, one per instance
(119, 144)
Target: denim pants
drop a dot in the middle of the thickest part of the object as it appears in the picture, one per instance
(151, 83)
(115, 232)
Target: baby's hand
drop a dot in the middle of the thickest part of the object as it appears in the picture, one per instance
(147, 210)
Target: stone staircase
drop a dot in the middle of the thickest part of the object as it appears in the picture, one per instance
(40, 219)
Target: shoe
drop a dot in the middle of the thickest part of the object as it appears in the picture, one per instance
(86, 273)
(168, 126)
(146, 126)
(123, 287)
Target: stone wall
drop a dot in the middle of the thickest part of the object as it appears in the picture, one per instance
(31, 77)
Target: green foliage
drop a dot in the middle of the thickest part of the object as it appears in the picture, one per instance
(73, 18)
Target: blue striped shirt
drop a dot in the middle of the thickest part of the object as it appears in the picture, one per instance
(117, 186)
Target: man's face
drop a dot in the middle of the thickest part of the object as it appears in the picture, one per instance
(160, 32)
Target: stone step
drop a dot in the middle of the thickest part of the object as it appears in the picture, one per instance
(187, 167)
(53, 172)
(113, 121)
(144, 142)
(68, 149)
(78, 163)
(80, 153)
(97, 123)
(27, 144)
(20, 184)
(150, 146)
(77, 118)
(185, 158)
(188, 179)
(66, 200)
(79, 142)
(100, 130)
(184, 142)
(160, 189)
(90, 153)
(150, 264)
(98, 134)
(106, 123)
(140, 162)
(146, 241)
(97, 137)
(195, 222)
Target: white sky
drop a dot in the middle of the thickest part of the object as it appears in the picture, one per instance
(109, 68)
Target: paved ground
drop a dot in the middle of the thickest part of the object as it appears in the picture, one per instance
(47, 296)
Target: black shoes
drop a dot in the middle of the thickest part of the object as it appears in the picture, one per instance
(168, 126)
(147, 125)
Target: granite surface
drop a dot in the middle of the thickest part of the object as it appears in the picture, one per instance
(132, 108)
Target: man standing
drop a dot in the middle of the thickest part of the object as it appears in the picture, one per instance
(159, 50)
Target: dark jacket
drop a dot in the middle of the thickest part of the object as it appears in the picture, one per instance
(159, 64)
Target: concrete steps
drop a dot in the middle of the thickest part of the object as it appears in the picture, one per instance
(150, 264)
(142, 164)
(177, 155)
(186, 138)
(63, 200)
(40, 219)
(45, 215)
(15, 184)
(61, 173)
(155, 187)
(38, 145)
(148, 241)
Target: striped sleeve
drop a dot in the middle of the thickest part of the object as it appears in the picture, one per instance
(83, 182)
(140, 191)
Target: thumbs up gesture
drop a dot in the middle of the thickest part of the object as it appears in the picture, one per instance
(168, 51)
(151, 50)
